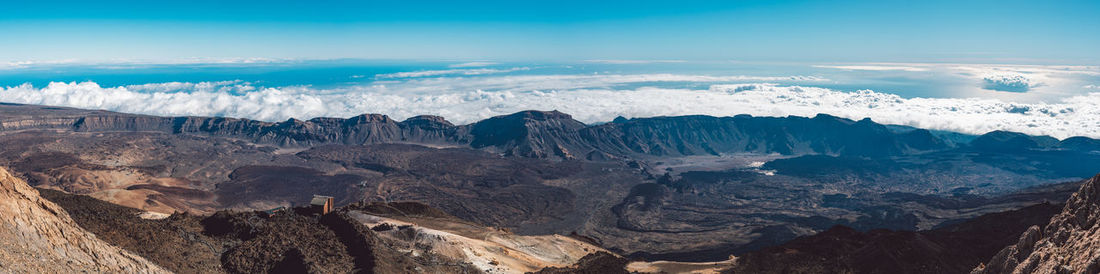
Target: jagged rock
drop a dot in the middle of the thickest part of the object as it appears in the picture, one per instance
(37, 236)
(1070, 243)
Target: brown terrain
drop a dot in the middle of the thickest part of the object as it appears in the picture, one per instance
(360, 238)
(690, 190)
(295, 241)
(401, 237)
(38, 236)
(955, 248)
(541, 173)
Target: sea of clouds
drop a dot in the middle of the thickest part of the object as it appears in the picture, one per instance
(589, 98)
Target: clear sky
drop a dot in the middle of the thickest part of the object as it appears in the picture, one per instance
(1040, 32)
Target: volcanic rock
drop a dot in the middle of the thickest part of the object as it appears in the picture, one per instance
(38, 236)
(1070, 243)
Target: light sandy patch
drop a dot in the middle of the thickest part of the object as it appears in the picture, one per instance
(680, 267)
(750, 161)
(284, 151)
(149, 215)
(491, 250)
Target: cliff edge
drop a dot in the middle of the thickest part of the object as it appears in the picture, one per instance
(1070, 243)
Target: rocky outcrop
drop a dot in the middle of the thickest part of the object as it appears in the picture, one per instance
(37, 236)
(1070, 243)
(362, 129)
(32, 123)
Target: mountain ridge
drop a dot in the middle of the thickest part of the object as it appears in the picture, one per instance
(553, 134)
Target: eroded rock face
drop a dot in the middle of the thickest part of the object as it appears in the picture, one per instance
(37, 236)
(1070, 243)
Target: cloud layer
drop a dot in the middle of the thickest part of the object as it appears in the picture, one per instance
(874, 67)
(429, 73)
(632, 62)
(590, 98)
(473, 64)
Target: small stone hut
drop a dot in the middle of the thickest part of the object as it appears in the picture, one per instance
(321, 204)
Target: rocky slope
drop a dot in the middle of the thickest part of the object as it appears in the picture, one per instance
(37, 236)
(292, 241)
(359, 238)
(1070, 243)
(950, 249)
(410, 237)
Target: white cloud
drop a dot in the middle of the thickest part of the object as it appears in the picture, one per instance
(33, 63)
(521, 83)
(632, 62)
(472, 64)
(132, 63)
(589, 98)
(875, 67)
(1009, 83)
(975, 69)
(219, 86)
(427, 73)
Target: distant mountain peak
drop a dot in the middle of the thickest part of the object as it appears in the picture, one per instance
(370, 118)
(428, 119)
(1080, 143)
(1000, 140)
(540, 115)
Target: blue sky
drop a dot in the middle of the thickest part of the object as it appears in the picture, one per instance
(967, 66)
(1028, 32)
